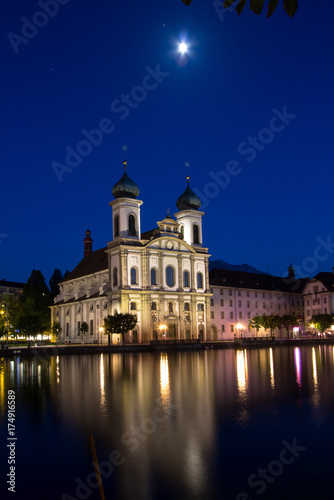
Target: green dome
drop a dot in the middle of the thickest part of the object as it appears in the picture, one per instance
(188, 200)
(125, 188)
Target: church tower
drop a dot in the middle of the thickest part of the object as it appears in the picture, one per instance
(189, 217)
(126, 209)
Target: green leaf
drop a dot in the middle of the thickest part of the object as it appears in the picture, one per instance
(228, 3)
(271, 7)
(187, 2)
(240, 6)
(290, 7)
(256, 6)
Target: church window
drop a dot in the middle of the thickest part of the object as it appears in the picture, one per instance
(195, 233)
(170, 308)
(115, 276)
(116, 225)
(199, 280)
(200, 307)
(91, 327)
(182, 230)
(134, 277)
(186, 279)
(133, 306)
(153, 276)
(186, 306)
(132, 225)
(78, 328)
(154, 306)
(170, 276)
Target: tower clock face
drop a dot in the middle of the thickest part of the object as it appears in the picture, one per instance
(169, 245)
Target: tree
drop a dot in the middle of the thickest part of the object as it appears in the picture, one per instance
(256, 322)
(56, 329)
(322, 321)
(33, 314)
(287, 320)
(273, 321)
(54, 282)
(83, 329)
(290, 6)
(119, 323)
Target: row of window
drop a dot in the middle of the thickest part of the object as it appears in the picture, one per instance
(131, 225)
(170, 277)
(222, 315)
(264, 305)
(256, 294)
(313, 312)
(200, 306)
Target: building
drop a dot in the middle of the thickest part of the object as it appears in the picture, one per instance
(12, 288)
(319, 295)
(161, 276)
(237, 297)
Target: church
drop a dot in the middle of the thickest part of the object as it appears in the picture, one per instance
(161, 276)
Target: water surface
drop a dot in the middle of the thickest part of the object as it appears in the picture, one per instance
(209, 425)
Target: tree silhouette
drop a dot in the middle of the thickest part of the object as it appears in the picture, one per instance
(290, 6)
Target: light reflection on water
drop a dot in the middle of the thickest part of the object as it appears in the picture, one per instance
(191, 425)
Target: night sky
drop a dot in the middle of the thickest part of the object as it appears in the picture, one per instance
(250, 108)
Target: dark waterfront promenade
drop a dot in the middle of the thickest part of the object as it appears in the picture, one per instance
(156, 346)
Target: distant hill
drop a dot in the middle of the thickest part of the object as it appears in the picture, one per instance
(245, 268)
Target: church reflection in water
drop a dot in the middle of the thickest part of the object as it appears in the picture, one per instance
(170, 414)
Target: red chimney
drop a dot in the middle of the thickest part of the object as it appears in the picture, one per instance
(88, 243)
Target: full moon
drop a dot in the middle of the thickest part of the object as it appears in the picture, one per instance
(183, 48)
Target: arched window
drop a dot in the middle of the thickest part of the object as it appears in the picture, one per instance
(195, 233)
(170, 276)
(170, 308)
(133, 306)
(153, 276)
(132, 225)
(133, 275)
(186, 279)
(154, 306)
(186, 306)
(116, 225)
(182, 230)
(200, 307)
(115, 277)
(199, 280)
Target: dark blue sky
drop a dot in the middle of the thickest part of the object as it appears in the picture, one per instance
(221, 104)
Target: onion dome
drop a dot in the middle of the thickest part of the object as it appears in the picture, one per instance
(125, 187)
(188, 200)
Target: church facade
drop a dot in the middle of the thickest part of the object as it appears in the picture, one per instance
(161, 276)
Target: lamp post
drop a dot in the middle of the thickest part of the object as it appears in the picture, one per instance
(240, 328)
(98, 336)
(162, 329)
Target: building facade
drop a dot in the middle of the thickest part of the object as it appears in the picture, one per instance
(319, 295)
(161, 276)
(239, 296)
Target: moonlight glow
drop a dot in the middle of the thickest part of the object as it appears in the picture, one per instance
(183, 48)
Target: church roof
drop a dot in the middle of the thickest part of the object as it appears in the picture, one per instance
(188, 200)
(93, 263)
(253, 281)
(125, 187)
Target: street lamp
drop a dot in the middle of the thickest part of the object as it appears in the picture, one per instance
(163, 329)
(98, 337)
(240, 328)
